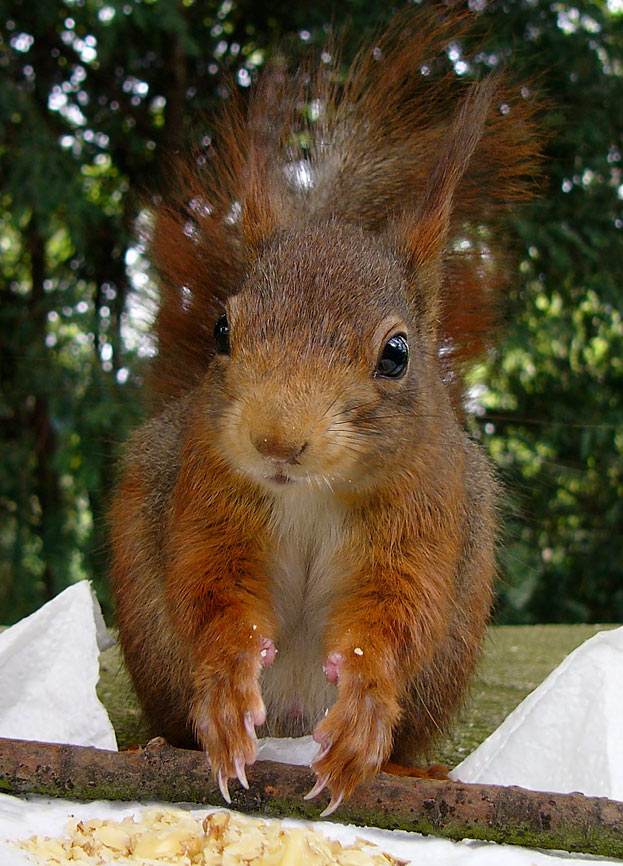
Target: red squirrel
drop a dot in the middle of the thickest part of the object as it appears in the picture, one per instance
(303, 535)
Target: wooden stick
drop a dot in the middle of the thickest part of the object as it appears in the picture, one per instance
(454, 810)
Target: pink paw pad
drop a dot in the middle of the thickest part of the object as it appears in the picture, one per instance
(267, 652)
(333, 666)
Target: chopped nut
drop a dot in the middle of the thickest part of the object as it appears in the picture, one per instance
(214, 825)
(248, 848)
(112, 836)
(173, 837)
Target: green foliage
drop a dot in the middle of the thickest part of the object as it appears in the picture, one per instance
(95, 94)
(554, 409)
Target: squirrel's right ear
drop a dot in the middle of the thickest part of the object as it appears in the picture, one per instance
(424, 231)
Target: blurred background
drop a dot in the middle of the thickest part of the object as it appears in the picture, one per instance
(96, 94)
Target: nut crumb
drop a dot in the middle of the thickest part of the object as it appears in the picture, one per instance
(173, 837)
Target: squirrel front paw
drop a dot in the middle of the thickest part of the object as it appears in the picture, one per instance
(226, 712)
(355, 737)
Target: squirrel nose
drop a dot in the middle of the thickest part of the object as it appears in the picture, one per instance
(279, 450)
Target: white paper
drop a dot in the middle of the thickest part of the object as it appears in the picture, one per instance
(288, 750)
(49, 667)
(567, 735)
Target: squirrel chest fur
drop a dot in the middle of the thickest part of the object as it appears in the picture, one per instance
(306, 573)
(303, 539)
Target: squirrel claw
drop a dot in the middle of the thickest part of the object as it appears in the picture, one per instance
(222, 783)
(334, 804)
(240, 772)
(321, 784)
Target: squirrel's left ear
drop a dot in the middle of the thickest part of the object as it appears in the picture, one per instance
(424, 231)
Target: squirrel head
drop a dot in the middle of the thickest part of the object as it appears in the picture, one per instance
(381, 193)
(325, 364)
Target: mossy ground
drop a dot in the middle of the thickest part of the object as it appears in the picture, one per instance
(515, 660)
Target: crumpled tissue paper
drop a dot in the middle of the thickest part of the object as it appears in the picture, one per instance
(567, 735)
(49, 667)
(288, 750)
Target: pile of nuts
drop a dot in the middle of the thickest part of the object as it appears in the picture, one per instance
(173, 836)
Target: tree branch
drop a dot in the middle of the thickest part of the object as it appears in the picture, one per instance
(454, 810)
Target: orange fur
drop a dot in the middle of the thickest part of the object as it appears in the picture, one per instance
(291, 493)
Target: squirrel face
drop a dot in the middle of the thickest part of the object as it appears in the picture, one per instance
(321, 363)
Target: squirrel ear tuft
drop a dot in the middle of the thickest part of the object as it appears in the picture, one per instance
(425, 229)
(264, 197)
(260, 215)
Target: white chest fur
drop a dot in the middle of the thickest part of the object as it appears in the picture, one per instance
(306, 570)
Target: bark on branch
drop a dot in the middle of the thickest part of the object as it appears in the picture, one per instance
(454, 810)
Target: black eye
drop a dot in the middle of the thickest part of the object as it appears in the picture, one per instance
(221, 335)
(394, 358)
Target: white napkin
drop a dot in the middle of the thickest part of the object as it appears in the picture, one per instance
(567, 735)
(49, 667)
(288, 750)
